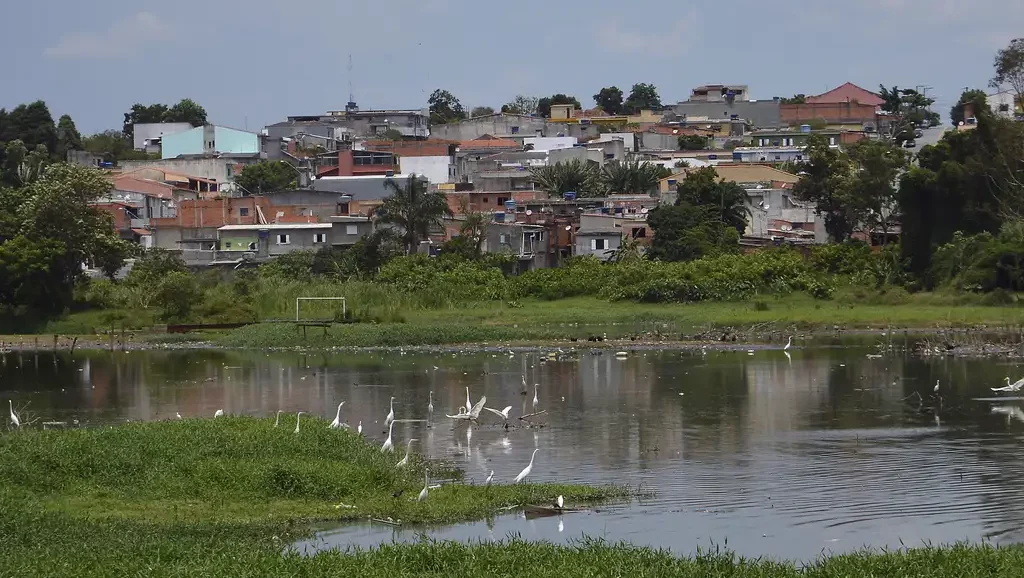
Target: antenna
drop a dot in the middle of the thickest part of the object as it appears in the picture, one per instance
(351, 96)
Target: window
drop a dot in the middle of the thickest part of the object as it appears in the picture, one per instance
(639, 233)
(227, 245)
(597, 244)
(229, 171)
(503, 239)
(283, 239)
(252, 246)
(483, 200)
(501, 201)
(351, 230)
(243, 212)
(514, 129)
(1004, 107)
(342, 208)
(831, 140)
(319, 238)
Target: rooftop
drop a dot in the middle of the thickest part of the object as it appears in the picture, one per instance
(848, 92)
(275, 226)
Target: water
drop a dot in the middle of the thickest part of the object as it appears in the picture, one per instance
(777, 456)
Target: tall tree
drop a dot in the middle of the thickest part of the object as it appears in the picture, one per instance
(685, 232)
(544, 104)
(445, 108)
(643, 96)
(267, 177)
(631, 177)
(574, 175)
(68, 137)
(977, 98)
(872, 188)
(726, 201)
(1009, 67)
(187, 110)
(112, 146)
(521, 104)
(823, 181)
(142, 114)
(905, 109)
(481, 111)
(610, 100)
(30, 123)
(413, 209)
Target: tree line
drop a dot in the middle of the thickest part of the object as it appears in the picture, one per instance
(445, 108)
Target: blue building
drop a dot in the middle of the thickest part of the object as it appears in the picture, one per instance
(210, 139)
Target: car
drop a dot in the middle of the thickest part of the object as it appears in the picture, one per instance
(918, 133)
(910, 144)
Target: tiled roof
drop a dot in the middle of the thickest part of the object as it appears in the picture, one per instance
(848, 92)
(489, 142)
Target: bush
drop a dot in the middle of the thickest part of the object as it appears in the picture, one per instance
(175, 295)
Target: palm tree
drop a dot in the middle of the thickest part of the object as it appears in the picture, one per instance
(631, 177)
(414, 210)
(575, 175)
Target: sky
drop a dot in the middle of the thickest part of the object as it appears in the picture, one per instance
(254, 62)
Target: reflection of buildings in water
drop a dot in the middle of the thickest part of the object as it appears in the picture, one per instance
(782, 394)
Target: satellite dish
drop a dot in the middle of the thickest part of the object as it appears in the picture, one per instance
(528, 212)
(961, 123)
(568, 227)
(644, 210)
(767, 206)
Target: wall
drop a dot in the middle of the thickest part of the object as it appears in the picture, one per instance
(551, 142)
(436, 169)
(760, 113)
(229, 140)
(495, 125)
(189, 142)
(583, 246)
(847, 112)
(211, 168)
(340, 231)
(151, 130)
(628, 139)
(359, 188)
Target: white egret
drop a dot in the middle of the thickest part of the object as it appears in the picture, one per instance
(430, 404)
(298, 418)
(936, 388)
(469, 404)
(405, 460)
(177, 415)
(14, 416)
(525, 389)
(218, 413)
(526, 471)
(337, 418)
(788, 344)
(359, 428)
(388, 445)
(391, 414)
(490, 476)
(503, 414)
(426, 482)
(1010, 387)
(559, 502)
(473, 413)
(277, 420)
(535, 400)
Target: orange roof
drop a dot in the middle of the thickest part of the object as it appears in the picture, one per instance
(848, 92)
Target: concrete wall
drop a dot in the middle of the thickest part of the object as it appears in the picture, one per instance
(229, 140)
(212, 168)
(345, 232)
(496, 125)
(189, 142)
(150, 130)
(839, 113)
(584, 245)
(628, 139)
(359, 188)
(549, 143)
(761, 113)
(437, 169)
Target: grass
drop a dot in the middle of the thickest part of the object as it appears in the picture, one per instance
(225, 497)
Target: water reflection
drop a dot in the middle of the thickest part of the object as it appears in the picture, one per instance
(780, 455)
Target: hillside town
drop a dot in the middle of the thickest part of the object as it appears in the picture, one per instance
(340, 165)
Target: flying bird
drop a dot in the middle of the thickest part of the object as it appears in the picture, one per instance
(503, 414)
(1010, 387)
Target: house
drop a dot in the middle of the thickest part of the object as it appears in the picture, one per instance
(489, 201)
(743, 174)
(220, 168)
(359, 188)
(434, 159)
(410, 123)
(529, 243)
(845, 93)
(720, 93)
(148, 136)
(347, 229)
(500, 124)
(1006, 103)
(753, 113)
(846, 106)
(600, 243)
(274, 239)
(597, 152)
(798, 137)
(209, 139)
(316, 126)
(769, 154)
(350, 163)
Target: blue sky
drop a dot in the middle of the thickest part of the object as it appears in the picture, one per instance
(254, 62)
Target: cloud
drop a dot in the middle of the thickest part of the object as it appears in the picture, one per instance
(680, 34)
(122, 39)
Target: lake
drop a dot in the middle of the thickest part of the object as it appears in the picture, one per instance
(767, 454)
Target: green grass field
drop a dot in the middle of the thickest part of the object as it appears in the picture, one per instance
(226, 497)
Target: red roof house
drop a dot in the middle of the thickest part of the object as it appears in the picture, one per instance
(848, 92)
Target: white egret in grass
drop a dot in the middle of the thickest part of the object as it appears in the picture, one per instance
(14, 416)
(359, 428)
(298, 418)
(503, 414)
(177, 415)
(277, 420)
(558, 502)
(430, 404)
(337, 417)
(490, 477)
(405, 460)
(218, 413)
(426, 483)
(788, 344)
(388, 445)
(526, 471)
(1010, 387)
(535, 400)
(936, 388)
(391, 414)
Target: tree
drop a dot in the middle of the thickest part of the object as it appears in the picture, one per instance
(795, 99)
(823, 181)
(905, 109)
(725, 201)
(692, 142)
(445, 108)
(685, 232)
(976, 98)
(112, 146)
(142, 114)
(631, 177)
(876, 168)
(187, 110)
(574, 175)
(481, 111)
(267, 177)
(1009, 67)
(610, 100)
(521, 104)
(544, 104)
(414, 210)
(68, 137)
(643, 96)
(30, 123)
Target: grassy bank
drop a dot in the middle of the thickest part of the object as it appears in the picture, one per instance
(226, 497)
